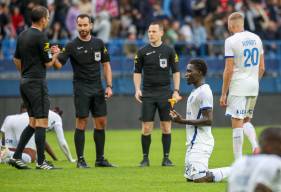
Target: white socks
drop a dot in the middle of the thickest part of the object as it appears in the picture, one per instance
(237, 138)
(25, 157)
(220, 173)
(250, 132)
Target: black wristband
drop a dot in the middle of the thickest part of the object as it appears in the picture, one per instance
(109, 86)
(176, 90)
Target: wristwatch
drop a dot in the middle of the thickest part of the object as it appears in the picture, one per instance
(176, 90)
(109, 86)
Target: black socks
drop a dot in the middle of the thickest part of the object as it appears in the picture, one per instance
(79, 140)
(40, 137)
(99, 138)
(24, 138)
(166, 142)
(145, 142)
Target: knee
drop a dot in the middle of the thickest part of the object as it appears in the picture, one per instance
(100, 123)
(247, 120)
(146, 129)
(41, 122)
(81, 123)
(166, 127)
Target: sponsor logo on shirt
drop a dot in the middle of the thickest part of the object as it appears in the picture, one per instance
(149, 53)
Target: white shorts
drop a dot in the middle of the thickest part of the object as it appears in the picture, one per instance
(12, 138)
(240, 107)
(196, 163)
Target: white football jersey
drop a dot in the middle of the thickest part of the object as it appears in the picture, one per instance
(245, 48)
(13, 126)
(248, 171)
(199, 99)
(54, 121)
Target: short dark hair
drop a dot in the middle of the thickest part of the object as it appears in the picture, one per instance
(58, 111)
(91, 20)
(200, 65)
(159, 23)
(38, 13)
(272, 134)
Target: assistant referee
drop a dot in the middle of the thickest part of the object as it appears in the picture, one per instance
(32, 57)
(154, 62)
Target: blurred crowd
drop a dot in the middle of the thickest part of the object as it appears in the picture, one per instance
(188, 24)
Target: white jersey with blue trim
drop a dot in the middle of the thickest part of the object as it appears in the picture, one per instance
(245, 48)
(14, 125)
(199, 99)
(248, 171)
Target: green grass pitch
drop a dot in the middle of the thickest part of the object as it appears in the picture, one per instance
(123, 148)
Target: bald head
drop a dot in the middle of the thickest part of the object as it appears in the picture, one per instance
(236, 22)
(270, 141)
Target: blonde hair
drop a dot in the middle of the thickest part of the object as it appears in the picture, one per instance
(236, 18)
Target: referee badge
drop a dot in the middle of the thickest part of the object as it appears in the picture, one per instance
(97, 56)
(163, 63)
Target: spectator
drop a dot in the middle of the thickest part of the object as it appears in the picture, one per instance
(102, 26)
(17, 20)
(57, 33)
(71, 16)
(130, 47)
(199, 37)
(85, 7)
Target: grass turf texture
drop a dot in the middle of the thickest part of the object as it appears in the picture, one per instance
(123, 148)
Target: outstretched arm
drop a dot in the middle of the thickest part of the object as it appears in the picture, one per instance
(206, 120)
(62, 142)
(50, 151)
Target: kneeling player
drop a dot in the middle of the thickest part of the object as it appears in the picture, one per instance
(199, 116)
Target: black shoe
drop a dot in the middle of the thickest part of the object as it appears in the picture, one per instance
(206, 179)
(46, 165)
(167, 162)
(144, 162)
(18, 163)
(103, 163)
(81, 163)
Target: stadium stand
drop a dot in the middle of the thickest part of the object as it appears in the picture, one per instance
(195, 28)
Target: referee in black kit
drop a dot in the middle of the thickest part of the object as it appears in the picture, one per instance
(32, 57)
(154, 61)
(87, 54)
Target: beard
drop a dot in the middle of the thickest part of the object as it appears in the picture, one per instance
(84, 33)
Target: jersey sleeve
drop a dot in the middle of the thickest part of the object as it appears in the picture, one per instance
(44, 47)
(17, 52)
(205, 100)
(228, 52)
(65, 54)
(104, 54)
(4, 125)
(138, 63)
(174, 61)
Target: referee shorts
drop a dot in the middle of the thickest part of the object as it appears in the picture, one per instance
(34, 93)
(149, 109)
(87, 99)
